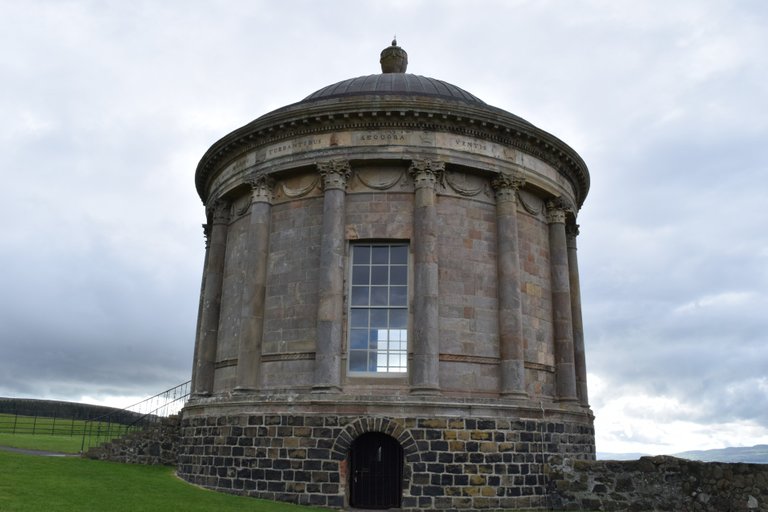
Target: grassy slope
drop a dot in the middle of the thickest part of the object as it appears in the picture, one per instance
(63, 444)
(31, 484)
(56, 435)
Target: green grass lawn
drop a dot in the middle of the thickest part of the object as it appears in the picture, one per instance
(32, 484)
(54, 434)
(63, 444)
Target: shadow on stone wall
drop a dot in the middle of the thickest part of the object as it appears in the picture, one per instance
(657, 484)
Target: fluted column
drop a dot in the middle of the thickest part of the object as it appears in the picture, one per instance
(425, 377)
(334, 174)
(561, 302)
(511, 342)
(205, 357)
(572, 231)
(254, 284)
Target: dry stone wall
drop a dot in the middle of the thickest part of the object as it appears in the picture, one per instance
(657, 484)
(158, 444)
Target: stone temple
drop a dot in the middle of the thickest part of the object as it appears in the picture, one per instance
(390, 312)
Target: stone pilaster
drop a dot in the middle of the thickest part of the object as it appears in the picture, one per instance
(205, 356)
(327, 378)
(425, 377)
(572, 231)
(511, 341)
(561, 302)
(254, 284)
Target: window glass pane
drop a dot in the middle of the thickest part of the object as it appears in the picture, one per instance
(398, 275)
(398, 296)
(378, 295)
(358, 360)
(361, 254)
(398, 318)
(373, 342)
(381, 362)
(380, 254)
(379, 274)
(372, 362)
(379, 318)
(358, 338)
(359, 295)
(397, 335)
(358, 318)
(360, 274)
(399, 254)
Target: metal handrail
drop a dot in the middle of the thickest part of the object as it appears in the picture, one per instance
(137, 416)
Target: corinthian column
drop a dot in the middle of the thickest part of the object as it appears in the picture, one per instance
(561, 301)
(205, 356)
(254, 284)
(572, 231)
(334, 174)
(425, 377)
(206, 234)
(511, 342)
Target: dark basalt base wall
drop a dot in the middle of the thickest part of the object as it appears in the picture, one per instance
(658, 483)
(459, 463)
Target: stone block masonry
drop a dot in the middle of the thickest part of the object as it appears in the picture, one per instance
(658, 484)
(450, 464)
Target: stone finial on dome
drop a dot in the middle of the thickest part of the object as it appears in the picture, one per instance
(393, 59)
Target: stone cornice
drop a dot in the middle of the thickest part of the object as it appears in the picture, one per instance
(302, 119)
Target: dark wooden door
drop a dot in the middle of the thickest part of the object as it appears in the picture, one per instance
(376, 472)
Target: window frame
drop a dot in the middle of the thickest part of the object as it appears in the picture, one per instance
(400, 304)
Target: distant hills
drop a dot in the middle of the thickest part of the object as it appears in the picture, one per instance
(757, 454)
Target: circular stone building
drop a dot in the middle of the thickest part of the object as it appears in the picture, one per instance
(390, 312)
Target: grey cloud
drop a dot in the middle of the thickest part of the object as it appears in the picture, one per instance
(110, 106)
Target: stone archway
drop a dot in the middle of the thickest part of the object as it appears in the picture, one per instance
(360, 426)
(389, 428)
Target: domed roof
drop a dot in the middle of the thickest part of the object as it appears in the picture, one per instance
(401, 100)
(399, 84)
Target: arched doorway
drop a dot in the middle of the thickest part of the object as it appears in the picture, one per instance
(376, 472)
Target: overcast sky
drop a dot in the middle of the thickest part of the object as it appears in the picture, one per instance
(107, 106)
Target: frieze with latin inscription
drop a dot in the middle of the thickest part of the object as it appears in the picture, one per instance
(388, 137)
(417, 138)
(293, 146)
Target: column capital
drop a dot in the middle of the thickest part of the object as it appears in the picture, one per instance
(219, 211)
(556, 210)
(334, 173)
(262, 186)
(426, 173)
(206, 233)
(506, 185)
(571, 232)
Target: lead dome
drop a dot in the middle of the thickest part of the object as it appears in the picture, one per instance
(390, 303)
